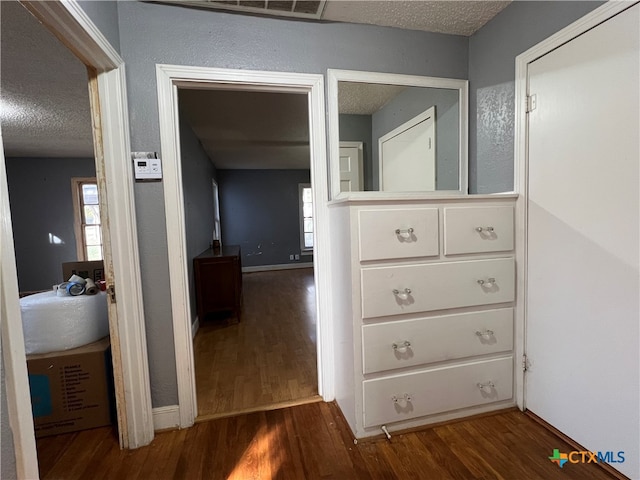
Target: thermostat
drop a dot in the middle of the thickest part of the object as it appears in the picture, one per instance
(147, 166)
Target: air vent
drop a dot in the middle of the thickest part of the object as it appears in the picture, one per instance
(309, 9)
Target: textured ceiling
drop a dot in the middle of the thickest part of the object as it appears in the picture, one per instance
(44, 100)
(457, 17)
(443, 16)
(249, 129)
(365, 98)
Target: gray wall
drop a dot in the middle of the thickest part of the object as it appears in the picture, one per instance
(152, 33)
(104, 13)
(42, 204)
(259, 210)
(197, 175)
(492, 53)
(357, 128)
(407, 105)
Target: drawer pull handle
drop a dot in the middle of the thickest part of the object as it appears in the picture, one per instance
(487, 386)
(488, 283)
(402, 346)
(485, 229)
(406, 398)
(404, 233)
(485, 333)
(402, 295)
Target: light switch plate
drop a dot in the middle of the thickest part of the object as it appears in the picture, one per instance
(147, 166)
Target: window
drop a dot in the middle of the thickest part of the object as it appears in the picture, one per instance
(305, 195)
(87, 218)
(217, 234)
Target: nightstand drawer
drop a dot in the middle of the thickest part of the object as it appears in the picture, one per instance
(407, 343)
(420, 288)
(402, 397)
(402, 233)
(478, 229)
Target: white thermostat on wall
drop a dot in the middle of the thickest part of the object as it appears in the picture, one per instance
(146, 166)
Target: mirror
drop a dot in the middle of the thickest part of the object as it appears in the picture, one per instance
(397, 134)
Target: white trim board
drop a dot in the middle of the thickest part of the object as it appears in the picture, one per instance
(565, 35)
(68, 22)
(166, 418)
(169, 78)
(282, 266)
(12, 348)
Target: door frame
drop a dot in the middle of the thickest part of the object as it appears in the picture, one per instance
(169, 78)
(71, 25)
(521, 168)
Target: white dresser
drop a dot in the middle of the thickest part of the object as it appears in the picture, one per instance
(424, 303)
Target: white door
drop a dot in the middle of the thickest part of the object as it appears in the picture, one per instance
(408, 155)
(351, 167)
(582, 311)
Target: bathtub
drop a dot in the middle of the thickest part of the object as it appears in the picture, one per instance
(52, 323)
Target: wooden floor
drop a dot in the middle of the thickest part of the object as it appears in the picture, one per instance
(269, 357)
(312, 441)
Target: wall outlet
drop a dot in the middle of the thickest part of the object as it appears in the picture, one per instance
(290, 257)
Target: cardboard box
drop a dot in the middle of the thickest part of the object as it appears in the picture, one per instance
(93, 270)
(72, 390)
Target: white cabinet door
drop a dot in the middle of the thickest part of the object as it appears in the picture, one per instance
(583, 275)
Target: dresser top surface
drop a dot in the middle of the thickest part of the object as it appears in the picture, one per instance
(376, 198)
(224, 251)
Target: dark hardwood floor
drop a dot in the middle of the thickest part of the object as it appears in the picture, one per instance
(312, 442)
(267, 359)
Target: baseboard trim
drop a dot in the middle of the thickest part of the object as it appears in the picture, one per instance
(261, 408)
(284, 266)
(194, 328)
(166, 418)
(576, 446)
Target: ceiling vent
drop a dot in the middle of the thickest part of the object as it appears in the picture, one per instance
(309, 9)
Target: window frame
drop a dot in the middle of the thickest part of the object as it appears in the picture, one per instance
(78, 217)
(303, 249)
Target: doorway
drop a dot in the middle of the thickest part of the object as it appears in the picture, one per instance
(170, 79)
(254, 329)
(110, 121)
(51, 162)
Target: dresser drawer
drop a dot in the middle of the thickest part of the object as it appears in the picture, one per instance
(478, 229)
(420, 288)
(402, 233)
(407, 343)
(402, 397)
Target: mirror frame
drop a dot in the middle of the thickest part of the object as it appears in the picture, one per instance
(334, 76)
